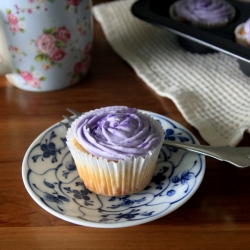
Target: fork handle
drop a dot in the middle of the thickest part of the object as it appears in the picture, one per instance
(238, 156)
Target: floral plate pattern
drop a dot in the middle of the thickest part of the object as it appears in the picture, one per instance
(50, 177)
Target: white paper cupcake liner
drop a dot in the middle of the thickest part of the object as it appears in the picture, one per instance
(114, 178)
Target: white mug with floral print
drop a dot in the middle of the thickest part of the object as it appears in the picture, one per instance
(48, 42)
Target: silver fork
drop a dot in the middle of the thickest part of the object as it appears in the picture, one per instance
(70, 119)
(238, 156)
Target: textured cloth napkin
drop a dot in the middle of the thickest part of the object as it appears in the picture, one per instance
(209, 90)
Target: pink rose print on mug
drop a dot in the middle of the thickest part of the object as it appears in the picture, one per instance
(88, 49)
(51, 44)
(16, 53)
(72, 5)
(33, 6)
(79, 70)
(31, 77)
(15, 24)
(81, 67)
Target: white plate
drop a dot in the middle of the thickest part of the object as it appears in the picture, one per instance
(50, 177)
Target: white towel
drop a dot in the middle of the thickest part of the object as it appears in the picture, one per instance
(209, 90)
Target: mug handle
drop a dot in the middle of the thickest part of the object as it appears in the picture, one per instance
(5, 59)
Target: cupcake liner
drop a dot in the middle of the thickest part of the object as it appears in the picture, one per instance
(200, 24)
(114, 178)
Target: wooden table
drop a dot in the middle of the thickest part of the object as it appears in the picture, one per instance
(216, 217)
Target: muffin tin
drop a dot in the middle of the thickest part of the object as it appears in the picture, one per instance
(219, 39)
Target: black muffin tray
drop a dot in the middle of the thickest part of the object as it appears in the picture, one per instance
(219, 39)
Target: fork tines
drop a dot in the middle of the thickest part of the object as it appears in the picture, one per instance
(74, 112)
(69, 119)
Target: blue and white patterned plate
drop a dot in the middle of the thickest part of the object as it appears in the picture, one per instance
(50, 177)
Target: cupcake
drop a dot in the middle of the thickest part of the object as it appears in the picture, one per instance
(242, 33)
(242, 37)
(206, 14)
(115, 149)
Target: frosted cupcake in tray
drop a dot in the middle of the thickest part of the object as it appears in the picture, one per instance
(205, 14)
(115, 149)
(242, 37)
(242, 33)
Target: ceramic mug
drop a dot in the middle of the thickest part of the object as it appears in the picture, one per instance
(45, 44)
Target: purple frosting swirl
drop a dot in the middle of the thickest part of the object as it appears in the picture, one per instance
(117, 132)
(204, 10)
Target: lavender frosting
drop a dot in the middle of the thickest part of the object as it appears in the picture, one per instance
(204, 10)
(117, 132)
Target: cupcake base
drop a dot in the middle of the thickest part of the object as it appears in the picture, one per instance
(194, 47)
(244, 67)
(113, 178)
(104, 176)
